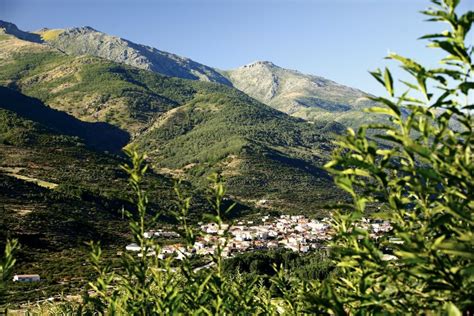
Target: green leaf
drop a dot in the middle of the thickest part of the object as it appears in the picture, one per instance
(379, 110)
(389, 103)
(452, 4)
(419, 149)
(466, 86)
(408, 63)
(452, 310)
(377, 74)
(388, 80)
(345, 183)
(410, 85)
(357, 172)
(438, 35)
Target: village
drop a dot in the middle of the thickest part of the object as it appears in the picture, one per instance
(294, 232)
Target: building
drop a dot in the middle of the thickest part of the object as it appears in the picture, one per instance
(26, 278)
(133, 247)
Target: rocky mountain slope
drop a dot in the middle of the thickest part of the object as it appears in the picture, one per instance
(312, 98)
(87, 41)
(189, 128)
(309, 97)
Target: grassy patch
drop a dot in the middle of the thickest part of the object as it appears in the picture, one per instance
(51, 35)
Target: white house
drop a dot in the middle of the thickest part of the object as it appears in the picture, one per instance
(26, 278)
(133, 247)
(149, 254)
(199, 245)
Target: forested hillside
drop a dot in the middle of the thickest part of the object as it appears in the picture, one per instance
(189, 128)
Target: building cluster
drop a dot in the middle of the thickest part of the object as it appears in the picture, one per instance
(376, 227)
(296, 232)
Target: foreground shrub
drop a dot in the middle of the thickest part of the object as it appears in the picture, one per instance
(419, 170)
(6, 269)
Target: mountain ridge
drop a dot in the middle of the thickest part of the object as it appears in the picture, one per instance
(189, 128)
(12, 29)
(301, 95)
(96, 43)
(305, 96)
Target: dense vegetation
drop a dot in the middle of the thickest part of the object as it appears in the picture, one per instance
(261, 265)
(102, 136)
(84, 203)
(189, 128)
(424, 179)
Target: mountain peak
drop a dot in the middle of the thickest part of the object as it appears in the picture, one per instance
(7, 25)
(12, 29)
(83, 29)
(293, 92)
(263, 63)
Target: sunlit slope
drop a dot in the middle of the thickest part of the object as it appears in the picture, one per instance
(310, 97)
(189, 128)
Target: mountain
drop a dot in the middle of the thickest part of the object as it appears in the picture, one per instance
(88, 41)
(65, 117)
(12, 29)
(98, 135)
(263, 153)
(189, 128)
(309, 97)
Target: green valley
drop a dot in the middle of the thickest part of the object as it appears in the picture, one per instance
(64, 120)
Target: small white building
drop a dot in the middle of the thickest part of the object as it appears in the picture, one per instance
(149, 234)
(149, 254)
(303, 248)
(26, 278)
(133, 247)
(387, 257)
(199, 245)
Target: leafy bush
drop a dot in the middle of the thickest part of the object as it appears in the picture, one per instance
(6, 268)
(423, 177)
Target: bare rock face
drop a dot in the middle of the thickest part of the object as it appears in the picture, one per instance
(258, 80)
(306, 96)
(88, 41)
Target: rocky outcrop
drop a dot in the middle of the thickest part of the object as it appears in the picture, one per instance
(86, 40)
(306, 96)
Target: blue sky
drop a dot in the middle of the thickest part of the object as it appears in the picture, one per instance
(337, 39)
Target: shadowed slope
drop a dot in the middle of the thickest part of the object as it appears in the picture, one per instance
(98, 135)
